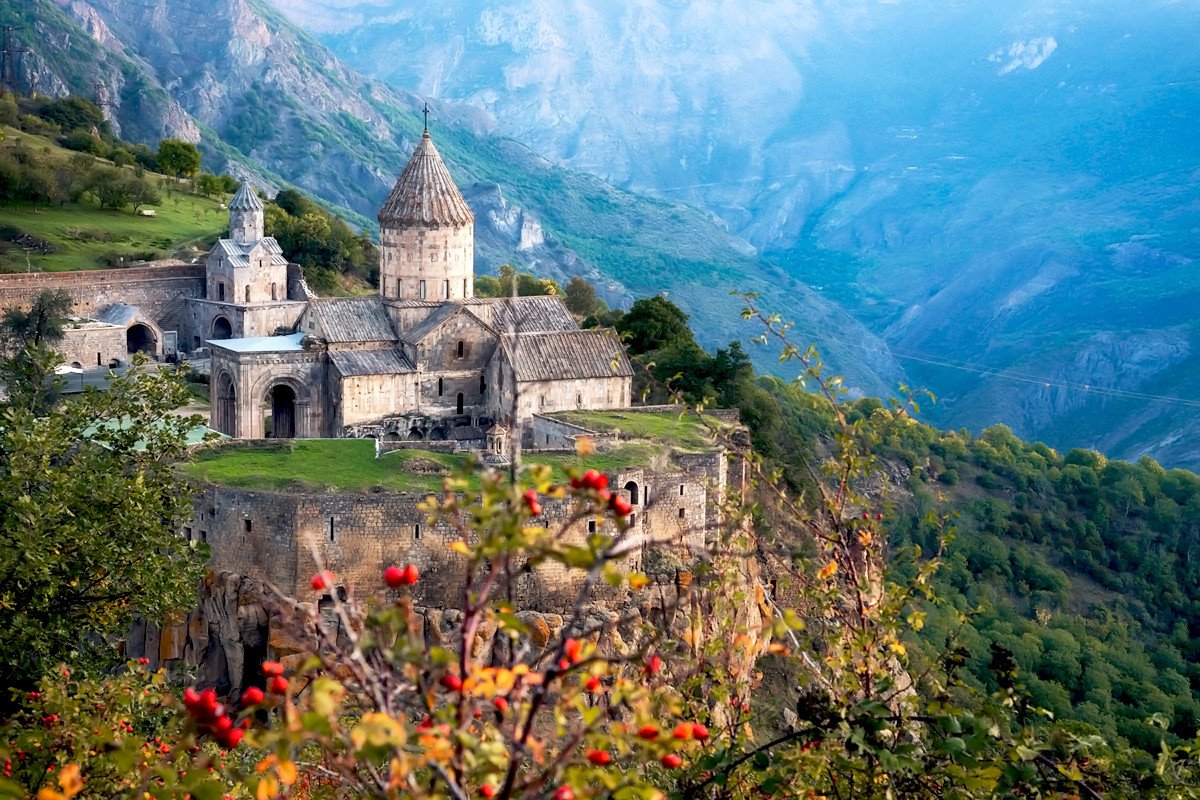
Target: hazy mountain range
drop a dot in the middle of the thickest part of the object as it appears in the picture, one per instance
(1010, 188)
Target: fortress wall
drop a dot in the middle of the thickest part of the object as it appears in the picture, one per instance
(154, 289)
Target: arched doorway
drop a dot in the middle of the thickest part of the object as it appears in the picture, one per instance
(632, 488)
(459, 404)
(226, 415)
(140, 338)
(281, 424)
(221, 329)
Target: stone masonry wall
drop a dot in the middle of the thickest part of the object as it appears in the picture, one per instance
(154, 289)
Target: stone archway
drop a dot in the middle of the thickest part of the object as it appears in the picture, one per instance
(281, 424)
(632, 488)
(221, 328)
(140, 338)
(225, 412)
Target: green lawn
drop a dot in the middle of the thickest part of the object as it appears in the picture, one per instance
(685, 431)
(350, 465)
(82, 234)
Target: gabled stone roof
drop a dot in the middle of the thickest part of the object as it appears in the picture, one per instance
(536, 314)
(425, 194)
(238, 254)
(345, 320)
(246, 199)
(567, 355)
(381, 361)
(431, 323)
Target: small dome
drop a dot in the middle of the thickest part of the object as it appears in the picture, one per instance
(246, 199)
(425, 194)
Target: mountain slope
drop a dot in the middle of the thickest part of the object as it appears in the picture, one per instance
(268, 100)
(1010, 185)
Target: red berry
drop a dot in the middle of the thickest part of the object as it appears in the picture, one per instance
(231, 739)
(653, 665)
(592, 684)
(488, 791)
(278, 684)
(191, 698)
(322, 580)
(411, 574)
(143, 661)
(252, 696)
(647, 732)
(572, 648)
(501, 704)
(222, 724)
(599, 757)
(425, 724)
(564, 793)
(394, 577)
(452, 682)
(671, 761)
(684, 730)
(699, 732)
(272, 668)
(620, 506)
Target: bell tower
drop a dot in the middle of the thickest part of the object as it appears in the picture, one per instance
(426, 233)
(245, 216)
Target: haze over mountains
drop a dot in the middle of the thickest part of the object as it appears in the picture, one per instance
(1010, 188)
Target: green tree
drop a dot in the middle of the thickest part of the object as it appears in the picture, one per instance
(90, 508)
(580, 297)
(178, 158)
(654, 323)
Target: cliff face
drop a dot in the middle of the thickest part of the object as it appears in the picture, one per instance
(266, 100)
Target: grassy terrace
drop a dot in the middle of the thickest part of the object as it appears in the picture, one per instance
(349, 465)
(685, 432)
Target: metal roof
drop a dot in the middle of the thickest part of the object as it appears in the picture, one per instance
(425, 194)
(261, 344)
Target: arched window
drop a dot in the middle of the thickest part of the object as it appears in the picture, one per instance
(247, 294)
(482, 384)
(461, 348)
(460, 402)
(274, 291)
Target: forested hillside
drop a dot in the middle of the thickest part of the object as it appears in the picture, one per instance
(1085, 570)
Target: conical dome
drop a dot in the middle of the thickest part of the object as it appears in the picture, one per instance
(425, 194)
(246, 199)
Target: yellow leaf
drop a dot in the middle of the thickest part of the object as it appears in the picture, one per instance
(70, 781)
(898, 648)
(287, 772)
(268, 787)
(460, 546)
(828, 571)
(377, 729)
(584, 446)
(47, 793)
(638, 581)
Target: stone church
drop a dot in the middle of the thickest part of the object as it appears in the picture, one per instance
(424, 359)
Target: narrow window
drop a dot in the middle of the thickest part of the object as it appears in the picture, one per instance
(274, 291)
(682, 513)
(461, 349)
(331, 533)
(460, 402)
(464, 287)
(591, 526)
(421, 290)
(203, 537)
(247, 294)
(441, 386)
(247, 525)
(482, 384)
(579, 399)
(541, 401)
(187, 534)
(98, 363)
(633, 519)
(416, 531)
(446, 289)
(681, 490)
